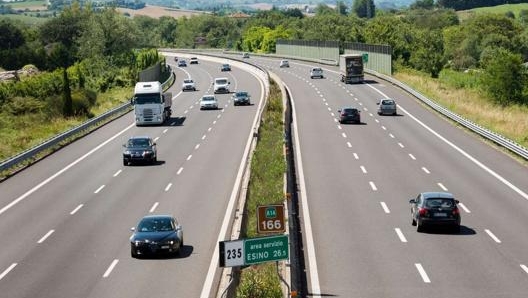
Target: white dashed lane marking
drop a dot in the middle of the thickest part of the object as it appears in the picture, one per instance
(45, 236)
(76, 209)
(492, 236)
(422, 272)
(109, 270)
(385, 207)
(3, 274)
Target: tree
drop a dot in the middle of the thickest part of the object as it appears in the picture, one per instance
(60, 35)
(364, 8)
(323, 9)
(429, 52)
(341, 8)
(504, 77)
(422, 4)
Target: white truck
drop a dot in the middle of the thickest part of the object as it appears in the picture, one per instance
(151, 105)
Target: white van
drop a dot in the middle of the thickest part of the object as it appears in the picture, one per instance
(221, 85)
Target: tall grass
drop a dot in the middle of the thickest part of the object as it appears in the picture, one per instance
(458, 93)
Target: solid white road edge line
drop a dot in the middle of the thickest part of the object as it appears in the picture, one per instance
(41, 184)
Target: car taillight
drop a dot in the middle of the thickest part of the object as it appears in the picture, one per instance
(456, 211)
(422, 211)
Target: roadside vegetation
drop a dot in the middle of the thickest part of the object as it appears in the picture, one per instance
(266, 187)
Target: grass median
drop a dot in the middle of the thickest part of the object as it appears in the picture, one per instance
(266, 187)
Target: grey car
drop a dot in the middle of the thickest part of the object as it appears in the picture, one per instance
(241, 98)
(387, 106)
(435, 208)
(139, 149)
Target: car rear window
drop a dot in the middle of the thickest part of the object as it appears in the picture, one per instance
(439, 203)
(350, 111)
(387, 102)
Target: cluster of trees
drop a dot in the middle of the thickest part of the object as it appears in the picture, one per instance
(81, 51)
(430, 40)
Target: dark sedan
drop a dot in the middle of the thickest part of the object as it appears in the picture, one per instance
(241, 98)
(139, 149)
(156, 234)
(435, 208)
(349, 114)
(225, 67)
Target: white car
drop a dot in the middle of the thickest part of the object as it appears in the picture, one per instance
(387, 106)
(284, 63)
(188, 84)
(193, 60)
(316, 72)
(208, 102)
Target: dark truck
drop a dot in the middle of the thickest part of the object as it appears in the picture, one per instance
(351, 68)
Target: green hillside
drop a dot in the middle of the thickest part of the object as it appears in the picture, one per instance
(500, 9)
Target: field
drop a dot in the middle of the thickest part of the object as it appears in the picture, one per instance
(158, 11)
(500, 9)
(29, 5)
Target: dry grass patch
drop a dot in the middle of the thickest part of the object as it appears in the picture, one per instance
(510, 121)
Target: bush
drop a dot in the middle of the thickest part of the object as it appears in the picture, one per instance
(23, 105)
(260, 282)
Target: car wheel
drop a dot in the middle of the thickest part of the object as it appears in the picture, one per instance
(133, 254)
(413, 222)
(125, 162)
(419, 227)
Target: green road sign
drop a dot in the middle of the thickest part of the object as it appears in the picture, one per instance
(266, 249)
(365, 57)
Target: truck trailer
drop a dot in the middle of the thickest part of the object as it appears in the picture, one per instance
(151, 105)
(351, 68)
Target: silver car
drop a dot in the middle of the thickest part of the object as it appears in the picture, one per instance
(208, 102)
(387, 106)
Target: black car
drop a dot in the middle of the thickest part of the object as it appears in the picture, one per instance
(156, 234)
(139, 149)
(241, 98)
(182, 63)
(225, 67)
(435, 208)
(349, 114)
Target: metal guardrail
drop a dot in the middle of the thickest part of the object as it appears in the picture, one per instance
(58, 139)
(482, 131)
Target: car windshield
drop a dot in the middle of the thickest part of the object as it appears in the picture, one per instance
(222, 82)
(136, 142)
(350, 111)
(439, 203)
(140, 99)
(208, 98)
(317, 69)
(155, 225)
(241, 94)
(187, 81)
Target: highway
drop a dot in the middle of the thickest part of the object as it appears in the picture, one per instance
(356, 182)
(65, 221)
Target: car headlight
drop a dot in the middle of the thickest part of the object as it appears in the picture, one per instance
(127, 152)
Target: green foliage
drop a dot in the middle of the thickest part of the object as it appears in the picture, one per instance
(460, 80)
(429, 52)
(364, 8)
(504, 77)
(260, 282)
(23, 105)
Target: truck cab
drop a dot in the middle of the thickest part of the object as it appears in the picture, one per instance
(151, 105)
